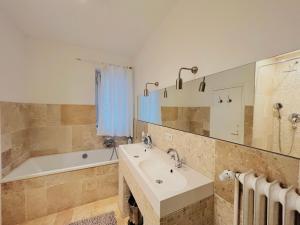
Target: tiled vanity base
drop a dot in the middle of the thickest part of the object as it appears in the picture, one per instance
(199, 213)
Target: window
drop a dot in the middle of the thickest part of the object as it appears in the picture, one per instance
(114, 101)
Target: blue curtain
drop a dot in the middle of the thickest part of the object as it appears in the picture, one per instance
(114, 101)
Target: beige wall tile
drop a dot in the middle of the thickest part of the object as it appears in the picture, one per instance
(89, 190)
(223, 211)
(248, 124)
(63, 196)
(17, 152)
(41, 129)
(78, 114)
(6, 158)
(199, 213)
(51, 138)
(5, 142)
(14, 117)
(72, 176)
(139, 127)
(38, 115)
(200, 154)
(242, 159)
(19, 143)
(197, 151)
(44, 195)
(33, 183)
(107, 186)
(84, 137)
(169, 113)
(43, 115)
(36, 202)
(190, 119)
(13, 207)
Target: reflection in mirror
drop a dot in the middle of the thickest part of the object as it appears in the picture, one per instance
(256, 105)
(149, 108)
(219, 111)
(277, 104)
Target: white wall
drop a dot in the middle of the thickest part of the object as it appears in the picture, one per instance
(12, 62)
(217, 35)
(43, 71)
(54, 76)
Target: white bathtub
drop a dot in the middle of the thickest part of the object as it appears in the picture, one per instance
(45, 165)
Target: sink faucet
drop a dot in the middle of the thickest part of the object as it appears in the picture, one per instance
(147, 141)
(175, 156)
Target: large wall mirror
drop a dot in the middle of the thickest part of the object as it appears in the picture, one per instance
(257, 105)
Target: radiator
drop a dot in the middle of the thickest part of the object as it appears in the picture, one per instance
(267, 202)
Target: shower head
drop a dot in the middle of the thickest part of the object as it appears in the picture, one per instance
(278, 106)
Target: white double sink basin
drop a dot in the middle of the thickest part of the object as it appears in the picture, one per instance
(166, 187)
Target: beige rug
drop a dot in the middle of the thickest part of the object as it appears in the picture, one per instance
(104, 219)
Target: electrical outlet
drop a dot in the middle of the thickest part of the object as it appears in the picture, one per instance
(168, 137)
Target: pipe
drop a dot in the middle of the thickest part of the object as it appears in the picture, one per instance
(236, 202)
(227, 175)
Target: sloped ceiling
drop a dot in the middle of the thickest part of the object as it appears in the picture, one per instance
(118, 26)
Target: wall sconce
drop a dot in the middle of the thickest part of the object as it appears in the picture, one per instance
(202, 85)
(146, 91)
(179, 81)
(165, 93)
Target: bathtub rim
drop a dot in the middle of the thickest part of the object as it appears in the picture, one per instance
(56, 171)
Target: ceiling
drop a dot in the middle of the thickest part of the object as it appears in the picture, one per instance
(117, 26)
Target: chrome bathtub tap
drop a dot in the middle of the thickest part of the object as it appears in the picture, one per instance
(175, 156)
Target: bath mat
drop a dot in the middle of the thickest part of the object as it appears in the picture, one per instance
(103, 219)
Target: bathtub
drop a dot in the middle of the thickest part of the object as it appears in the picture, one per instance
(58, 163)
(60, 181)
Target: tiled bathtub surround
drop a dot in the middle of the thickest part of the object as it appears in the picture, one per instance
(210, 157)
(32, 198)
(42, 129)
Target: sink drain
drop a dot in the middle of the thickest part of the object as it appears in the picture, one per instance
(136, 156)
(158, 181)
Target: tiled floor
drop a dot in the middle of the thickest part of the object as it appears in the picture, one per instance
(81, 212)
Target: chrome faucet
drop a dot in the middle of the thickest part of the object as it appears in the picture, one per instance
(147, 141)
(175, 156)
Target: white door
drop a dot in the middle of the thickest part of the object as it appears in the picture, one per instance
(227, 115)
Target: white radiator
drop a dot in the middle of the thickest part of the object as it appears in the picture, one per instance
(261, 201)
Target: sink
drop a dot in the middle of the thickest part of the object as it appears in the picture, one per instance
(166, 187)
(162, 175)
